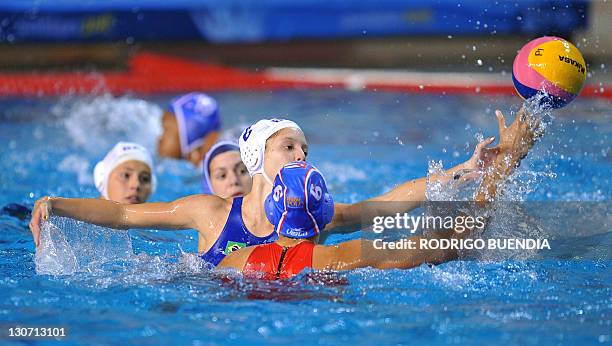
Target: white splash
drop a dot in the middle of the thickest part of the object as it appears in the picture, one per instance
(97, 123)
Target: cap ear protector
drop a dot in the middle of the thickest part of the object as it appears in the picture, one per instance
(327, 202)
(100, 177)
(270, 208)
(328, 208)
(250, 153)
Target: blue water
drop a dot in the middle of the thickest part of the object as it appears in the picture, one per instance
(146, 287)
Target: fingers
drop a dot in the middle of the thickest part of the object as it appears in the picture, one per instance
(40, 212)
(501, 121)
(35, 225)
(485, 143)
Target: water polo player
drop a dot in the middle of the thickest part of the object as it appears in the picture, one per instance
(126, 174)
(191, 126)
(227, 224)
(223, 173)
(300, 207)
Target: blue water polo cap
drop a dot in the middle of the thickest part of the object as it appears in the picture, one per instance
(299, 205)
(197, 115)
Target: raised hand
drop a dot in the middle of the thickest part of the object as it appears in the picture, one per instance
(516, 140)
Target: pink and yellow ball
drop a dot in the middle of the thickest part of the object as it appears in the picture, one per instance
(549, 65)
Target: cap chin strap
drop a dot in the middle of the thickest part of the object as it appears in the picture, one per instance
(267, 178)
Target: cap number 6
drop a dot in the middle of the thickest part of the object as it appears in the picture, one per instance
(316, 192)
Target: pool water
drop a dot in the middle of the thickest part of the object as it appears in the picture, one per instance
(148, 287)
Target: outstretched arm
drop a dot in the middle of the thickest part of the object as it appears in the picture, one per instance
(515, 143)
(410, 193)
(179, 214)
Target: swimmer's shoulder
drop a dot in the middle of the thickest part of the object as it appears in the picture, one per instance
(209, 208)
(204, 202)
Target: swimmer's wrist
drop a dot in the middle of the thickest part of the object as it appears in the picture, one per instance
(49, 201)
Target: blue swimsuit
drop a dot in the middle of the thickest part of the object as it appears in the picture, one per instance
(234, 236)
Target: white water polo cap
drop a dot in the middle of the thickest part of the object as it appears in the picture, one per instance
(253, 142)
(122, 152)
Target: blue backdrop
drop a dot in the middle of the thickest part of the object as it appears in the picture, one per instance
(275, 20)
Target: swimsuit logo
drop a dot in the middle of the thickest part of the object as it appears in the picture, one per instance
(316, 192)
(233, 246)
(247, 133)
(278, 193)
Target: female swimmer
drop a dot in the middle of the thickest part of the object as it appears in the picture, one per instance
(126, 174)
(191, 126)
(227, 224)
(300, 208)
(223, 172)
